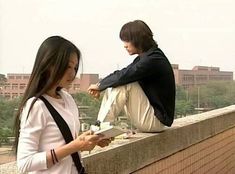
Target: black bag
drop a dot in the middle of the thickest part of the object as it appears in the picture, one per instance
(65, 131)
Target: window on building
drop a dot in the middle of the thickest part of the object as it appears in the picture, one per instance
(188, 78)
(201, 78)
(18, 77)
(7, 95)
(26, 77)
(14, 86)
(186, 86)
(22, 86)
(14, 95)
(11, 77)
(7, 86)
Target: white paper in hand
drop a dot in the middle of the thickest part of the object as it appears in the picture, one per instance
(111, 131)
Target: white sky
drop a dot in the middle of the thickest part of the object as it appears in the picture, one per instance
(190, 32)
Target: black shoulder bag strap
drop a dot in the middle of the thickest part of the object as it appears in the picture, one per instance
(64, 129)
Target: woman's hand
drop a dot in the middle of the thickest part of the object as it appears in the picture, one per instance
(87, 141)
(104, 142)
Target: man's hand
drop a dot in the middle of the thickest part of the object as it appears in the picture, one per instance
(94, 90)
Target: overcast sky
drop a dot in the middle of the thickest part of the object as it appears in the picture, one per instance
(190, 32)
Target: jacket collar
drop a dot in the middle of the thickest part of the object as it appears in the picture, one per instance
(150, 51)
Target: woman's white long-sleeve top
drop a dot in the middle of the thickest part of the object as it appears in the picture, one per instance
(39, 133)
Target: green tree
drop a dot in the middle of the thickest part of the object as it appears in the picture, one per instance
(181, 94)
(183, 105)
(214, 95)
(7, 111)
(2, 79)
(183, 108)
(84, 99)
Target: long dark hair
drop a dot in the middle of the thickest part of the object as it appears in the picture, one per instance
(50, 65)
(139, 34)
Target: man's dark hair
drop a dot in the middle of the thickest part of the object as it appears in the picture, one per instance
(139, 34)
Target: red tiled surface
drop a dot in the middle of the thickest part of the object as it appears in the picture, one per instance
(215, 155)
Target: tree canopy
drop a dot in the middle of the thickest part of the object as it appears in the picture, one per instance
(212, 95)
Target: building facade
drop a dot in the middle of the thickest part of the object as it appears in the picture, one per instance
(16, 84)
(199, 75)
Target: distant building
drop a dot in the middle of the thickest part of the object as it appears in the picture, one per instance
(16, 84)
(199, 75)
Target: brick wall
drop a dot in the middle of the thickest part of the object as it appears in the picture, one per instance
(211, 156)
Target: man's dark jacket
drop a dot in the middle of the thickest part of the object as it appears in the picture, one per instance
(155, 75)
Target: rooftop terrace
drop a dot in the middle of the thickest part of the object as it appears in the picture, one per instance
(202, 143)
